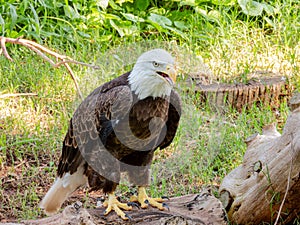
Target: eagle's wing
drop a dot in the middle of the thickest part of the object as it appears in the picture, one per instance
(89, 128)
(174, 114)
(83, 151)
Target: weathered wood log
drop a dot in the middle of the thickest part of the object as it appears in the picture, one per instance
(203, 208)
(295, 101)
(268, 90)
(266, 186)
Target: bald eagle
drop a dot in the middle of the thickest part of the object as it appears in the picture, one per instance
(115, 130)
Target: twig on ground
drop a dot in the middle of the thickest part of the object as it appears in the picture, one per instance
(17, 95)
(40, 50)
(3, 48)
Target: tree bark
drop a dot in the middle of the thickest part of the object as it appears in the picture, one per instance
(266, 186)
(203, 208)
(269, 90)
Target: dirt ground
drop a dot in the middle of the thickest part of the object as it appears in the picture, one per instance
(19, 189)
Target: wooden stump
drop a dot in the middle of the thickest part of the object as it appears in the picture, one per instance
(203, 208)
(268, 181)
(271, 90)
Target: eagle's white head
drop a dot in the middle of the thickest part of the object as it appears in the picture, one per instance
(153, 74)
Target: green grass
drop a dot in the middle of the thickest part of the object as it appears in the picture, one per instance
(208, 144)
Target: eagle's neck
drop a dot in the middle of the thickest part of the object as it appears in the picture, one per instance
(147, 85)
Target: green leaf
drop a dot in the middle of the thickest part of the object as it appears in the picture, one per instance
(49, 34)
(111, 16)
(214, 15)
(1, 20)
(133, 18)
(117, 28)
(176, 31)
(71, 12)
(120, 2)
(268, 8)
(141, 5)
(102, 3)
(12, 33)
(223, 2)
(161, 20)
(269, 21)
(201, 11)
(34, 35)
(14, 16)
(181, 25)
(36, 17)
(159, 11)
(155, 25)
(187, 2)
(251, 8)
(114, 6)
(124, 28)
(105, 38)
(83, 34)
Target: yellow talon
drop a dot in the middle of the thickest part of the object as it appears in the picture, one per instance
(145, 200)
(112, 204)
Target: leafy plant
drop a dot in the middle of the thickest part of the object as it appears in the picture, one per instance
(73, 21)
(254, 8)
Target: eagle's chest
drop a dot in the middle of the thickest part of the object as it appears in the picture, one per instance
(148, 117)
(143, 128)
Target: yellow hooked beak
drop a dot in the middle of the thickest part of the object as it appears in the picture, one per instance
(169, 74)
(171, 71)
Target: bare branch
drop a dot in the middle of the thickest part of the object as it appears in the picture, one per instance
(44, 49)
(39, 53)
(2, 41)
(17, 95)
(76, 62)
(40, 50)
(74, 79)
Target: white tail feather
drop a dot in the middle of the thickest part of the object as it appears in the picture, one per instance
(61, 189)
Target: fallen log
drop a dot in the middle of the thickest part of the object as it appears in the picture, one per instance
(201, 208)
(266, 186)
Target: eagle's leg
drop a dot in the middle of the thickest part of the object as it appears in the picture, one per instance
(112, 204)
(145, 200)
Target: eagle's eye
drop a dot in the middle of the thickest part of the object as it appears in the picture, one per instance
(155, 64)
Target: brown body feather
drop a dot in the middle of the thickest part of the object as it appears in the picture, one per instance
(113, 131)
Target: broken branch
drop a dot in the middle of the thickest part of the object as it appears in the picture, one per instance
(17, 95)
(40, 50)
